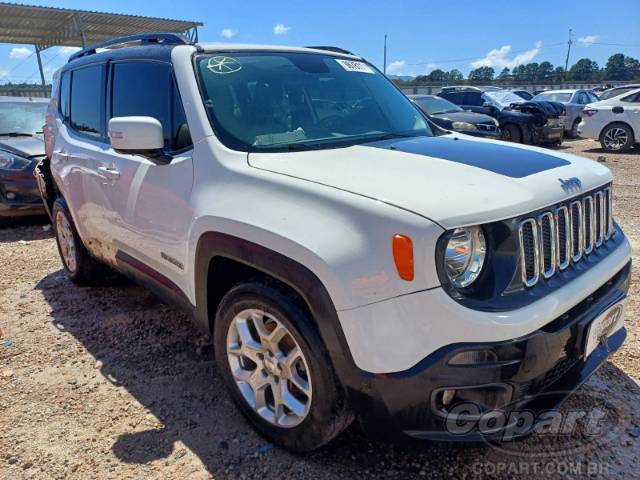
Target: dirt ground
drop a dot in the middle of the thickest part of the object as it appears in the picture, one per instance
(111, 383)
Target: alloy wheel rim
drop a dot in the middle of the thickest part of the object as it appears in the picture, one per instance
(66, 241)
(269, 368)
(615, 138)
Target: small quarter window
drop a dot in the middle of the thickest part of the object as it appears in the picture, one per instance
(63, 100)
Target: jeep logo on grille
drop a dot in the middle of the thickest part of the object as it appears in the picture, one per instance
(571, 185)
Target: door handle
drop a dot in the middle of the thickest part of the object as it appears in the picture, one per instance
(62, 155)
(109, 172)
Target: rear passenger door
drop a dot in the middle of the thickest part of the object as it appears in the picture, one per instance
(80, 142)
(150, 200)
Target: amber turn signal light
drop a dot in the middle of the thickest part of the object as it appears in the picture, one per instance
(403, 256)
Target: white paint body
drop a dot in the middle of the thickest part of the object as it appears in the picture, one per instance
(333, 211)
(592, 127)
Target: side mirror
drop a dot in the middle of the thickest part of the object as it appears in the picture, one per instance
(136, 134)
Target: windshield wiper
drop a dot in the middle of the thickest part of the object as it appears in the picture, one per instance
(17, 134)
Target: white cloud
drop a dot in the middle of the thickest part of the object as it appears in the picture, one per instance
(19, 52)
(397, 67)
(228, 32)
(3, 73)
(68, 50)
(281, 29)
(588, 40)
(499, 57)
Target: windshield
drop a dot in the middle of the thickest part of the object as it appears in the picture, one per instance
(563, 97)
(22, 117)
(502, 99)
(264, 101)
(436, 105)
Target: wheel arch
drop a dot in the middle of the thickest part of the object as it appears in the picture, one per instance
(222, 259)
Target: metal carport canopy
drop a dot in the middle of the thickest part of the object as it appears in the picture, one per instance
(46, 27)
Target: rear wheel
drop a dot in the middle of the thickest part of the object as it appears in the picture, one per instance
(81, 268)
(573, 133)
(511, 133)
(616, 137)
(276, 368)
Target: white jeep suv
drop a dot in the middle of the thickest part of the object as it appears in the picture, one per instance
(349, 259)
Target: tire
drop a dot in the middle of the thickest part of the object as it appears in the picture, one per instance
(81, 268)
(573, 133)
(617, 137)
(319, 411)
(511, 133)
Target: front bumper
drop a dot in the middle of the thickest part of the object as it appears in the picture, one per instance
(547, 134)
(19, 194)
(551, 359)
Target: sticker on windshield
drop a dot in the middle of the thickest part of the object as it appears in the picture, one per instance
(352, 66)
(223, 65)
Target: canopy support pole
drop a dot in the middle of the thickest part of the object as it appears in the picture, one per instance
(44, 84)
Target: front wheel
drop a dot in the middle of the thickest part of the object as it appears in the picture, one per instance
(511, 133)
(276, 368)
(616, 137)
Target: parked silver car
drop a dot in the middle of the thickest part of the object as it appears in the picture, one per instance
(574, 101)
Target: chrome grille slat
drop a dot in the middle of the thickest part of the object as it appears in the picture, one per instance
(547, 242)
(599, 227)
(563, 237)
(589, 224)
(529, 252)
(553, 240)
(577, 230)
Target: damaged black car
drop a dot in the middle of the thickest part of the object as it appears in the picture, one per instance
(521, 121)
(21, 148)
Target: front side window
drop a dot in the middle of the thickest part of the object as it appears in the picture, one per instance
(87, 100)
(147, 89)
(22, 117)
(264, 101)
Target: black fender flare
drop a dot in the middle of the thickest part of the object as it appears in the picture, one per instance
(291, 273)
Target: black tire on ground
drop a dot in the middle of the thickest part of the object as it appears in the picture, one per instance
(573, 133)
(511, 133)
(85, 270)
(328, 412)
(617, 137)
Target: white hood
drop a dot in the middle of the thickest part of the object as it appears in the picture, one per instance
(454, 180)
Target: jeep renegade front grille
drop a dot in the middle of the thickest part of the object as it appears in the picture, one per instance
(564, 235)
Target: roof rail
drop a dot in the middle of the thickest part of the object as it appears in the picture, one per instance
(143, 39)
(332, 49)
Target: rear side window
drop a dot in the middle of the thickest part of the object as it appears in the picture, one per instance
(87, 101)
(148, 89)
(65, 90)
(633, 98)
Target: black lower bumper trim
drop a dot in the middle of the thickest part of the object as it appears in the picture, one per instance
(551, 359)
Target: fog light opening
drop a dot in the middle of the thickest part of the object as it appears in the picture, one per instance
(487, 398)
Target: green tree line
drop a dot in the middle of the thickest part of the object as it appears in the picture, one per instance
(618, 68)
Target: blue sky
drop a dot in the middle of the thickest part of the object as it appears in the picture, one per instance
(423, 35)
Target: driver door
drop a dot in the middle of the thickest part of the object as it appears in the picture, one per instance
(151, 212)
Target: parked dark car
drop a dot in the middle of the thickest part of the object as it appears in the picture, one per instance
(519, 120)
(451, 117)
(21, 148)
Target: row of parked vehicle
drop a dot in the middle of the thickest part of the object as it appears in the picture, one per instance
(542, 119)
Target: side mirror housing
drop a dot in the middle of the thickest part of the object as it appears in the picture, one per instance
(136, 134)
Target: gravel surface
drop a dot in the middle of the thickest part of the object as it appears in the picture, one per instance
(111, 383)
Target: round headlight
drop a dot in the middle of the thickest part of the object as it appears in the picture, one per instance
(464, 256)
